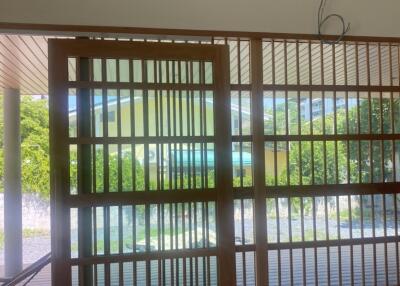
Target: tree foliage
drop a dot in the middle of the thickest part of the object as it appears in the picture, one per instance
(333, 162)
(335, 157)
(34, 145)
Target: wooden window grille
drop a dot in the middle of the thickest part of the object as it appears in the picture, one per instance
(313, 166)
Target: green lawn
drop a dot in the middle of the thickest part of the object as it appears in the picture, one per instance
(26, 233)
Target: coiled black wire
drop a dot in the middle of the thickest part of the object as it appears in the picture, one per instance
(322, 21)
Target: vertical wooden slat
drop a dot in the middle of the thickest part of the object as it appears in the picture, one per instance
(208, 244)
(196, 266)
(120, 184)
(299, 121)
(315, 239)
(146, 146)
(278, 234)
(134, 264)
(184, 243)
(193, 129)
(146, 155)
(120, 246)
(290, 240)
(161, 241)
(225, 225)
(386, 263)
(339, 238)
(396, 227)
(259, 164)
(382, 166)
(374, 235)
(243, 241)
(84, 170)
(190, 241)
(327, 238)
(171, 237)
(362, 236)
(189, 128)
(351, 237)
(60, 214)
(106, 227)
(147, 239)
(304, 266)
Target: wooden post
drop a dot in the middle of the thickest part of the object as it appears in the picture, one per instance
(259, 164)
(84, 172)
(12, 183)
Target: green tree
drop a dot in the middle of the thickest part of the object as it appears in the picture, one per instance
(332, 158)
(34, 145)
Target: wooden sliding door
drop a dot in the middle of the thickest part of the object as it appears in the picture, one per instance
(271, 162)
(140, 164)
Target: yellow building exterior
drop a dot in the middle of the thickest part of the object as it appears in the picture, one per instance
(177, 114)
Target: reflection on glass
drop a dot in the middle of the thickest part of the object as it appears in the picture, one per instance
(306, 164)
(72, 69)
(99, 168)
(73, 169)
(269, 151)
(281, 162)
(74, 232)
(125, 112)
(114, 229)
(113, 154)
(320, 217)
(294, 162)
(98, 112)
(295, 218)
(244, 218)
(268, 113)
(208, 72)
(97, 70)
(72, 100)
(112, 112)
(137, 71)
(280, 113)
(363, 109)
(272, 234)
(354, 162)
(124, 75)
(377, 172)
(329, 109)
(319, 162)
(111, 70)
(305, 118)
(316, 111)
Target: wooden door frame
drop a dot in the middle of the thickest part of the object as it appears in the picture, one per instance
(61, 200)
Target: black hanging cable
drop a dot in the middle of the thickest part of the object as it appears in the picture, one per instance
(322, 20)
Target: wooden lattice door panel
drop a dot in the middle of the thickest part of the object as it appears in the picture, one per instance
(331, 162)
(141, 181)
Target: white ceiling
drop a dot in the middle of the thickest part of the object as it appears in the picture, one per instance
(367, 17)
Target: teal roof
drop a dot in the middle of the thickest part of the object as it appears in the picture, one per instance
(186, 158)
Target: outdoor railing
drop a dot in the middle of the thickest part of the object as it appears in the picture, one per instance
(28, 273)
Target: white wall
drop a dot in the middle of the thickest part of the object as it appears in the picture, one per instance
(368, 17)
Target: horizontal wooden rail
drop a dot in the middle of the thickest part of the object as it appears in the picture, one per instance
(336, 137)
(146, 86)
(144, 256)
(332, 190)
(333, 243)
(140, 197)
(344, 88)
(142, 140)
